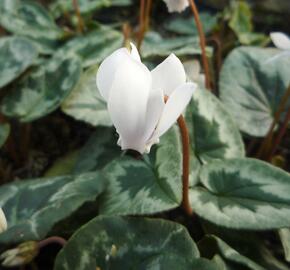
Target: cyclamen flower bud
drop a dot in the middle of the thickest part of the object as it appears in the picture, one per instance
(20, 255)
(3, 222)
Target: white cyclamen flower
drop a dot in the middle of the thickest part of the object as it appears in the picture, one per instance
(135, 96)
(176, 5)
(3, 222)
(282, 42)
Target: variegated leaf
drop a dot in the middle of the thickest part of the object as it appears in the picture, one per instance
(85, 102)
(42, 91)
(33, 207)
(16, 55)
(130, 243)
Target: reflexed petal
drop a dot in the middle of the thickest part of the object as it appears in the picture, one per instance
(168, 75)
(3, 222)
(176, 5)
(280, 40)
(174, 107)
(134, 52)
(107, 70)
(127, 103)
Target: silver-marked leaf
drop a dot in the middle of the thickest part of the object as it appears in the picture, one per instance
(85, 102)
(33, 207)
(93, 47)
(145, 187)
(4, 133)
(129, 243)
(187, 26)
(214, 133)
(16, 55)
(155, 45)
(42, 91)
(252, 84)
(31, 19)
(212, 244)
(243, 194)
(99, 150)
(86, 6)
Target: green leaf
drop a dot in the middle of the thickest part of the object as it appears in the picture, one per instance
(33, 207)
(93, 47)
(243, 194)
(155, 45)
(4, 133)
(63, 165)
(241, 17)
(214, 133)
(32, 20)
(211, 245)
(16, 55)
(86, 6)
(187, 26)
(99, 150)
(252, 85)
(85, 101)
(145, 187)
(42, 91)
(129, 243)
(285, 239)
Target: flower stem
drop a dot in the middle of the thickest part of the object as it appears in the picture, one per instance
(185, 164)
(79, 17)
(202, 43)
(52, 240)
(141, 24)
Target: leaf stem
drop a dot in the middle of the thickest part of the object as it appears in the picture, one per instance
(185, 164)
(268, 139)
(202, 43)
(79, 17)
(52, 240)
(280, 135)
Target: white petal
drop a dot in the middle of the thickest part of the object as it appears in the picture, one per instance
(155, 108)
(176, 5)
(127, 103)
(174, 107)
(134, 52)
(107, 70)
(3, 222)
(280, 40)
(168, 75)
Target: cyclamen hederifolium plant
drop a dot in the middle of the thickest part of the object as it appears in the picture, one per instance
(144, 135)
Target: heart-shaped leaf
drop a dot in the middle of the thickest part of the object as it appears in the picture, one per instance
(252, 84)
(85, 102)
(243, 194)
(42, 91)
(93, 47)
(211, 244)
(144, 187)
(33, 207)
(16, 55)
(129, 243)
(213, 132)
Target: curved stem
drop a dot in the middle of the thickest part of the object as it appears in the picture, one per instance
(185, 164)
(52, 240)
(79, 17)
(141, 24)
(202, 43)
